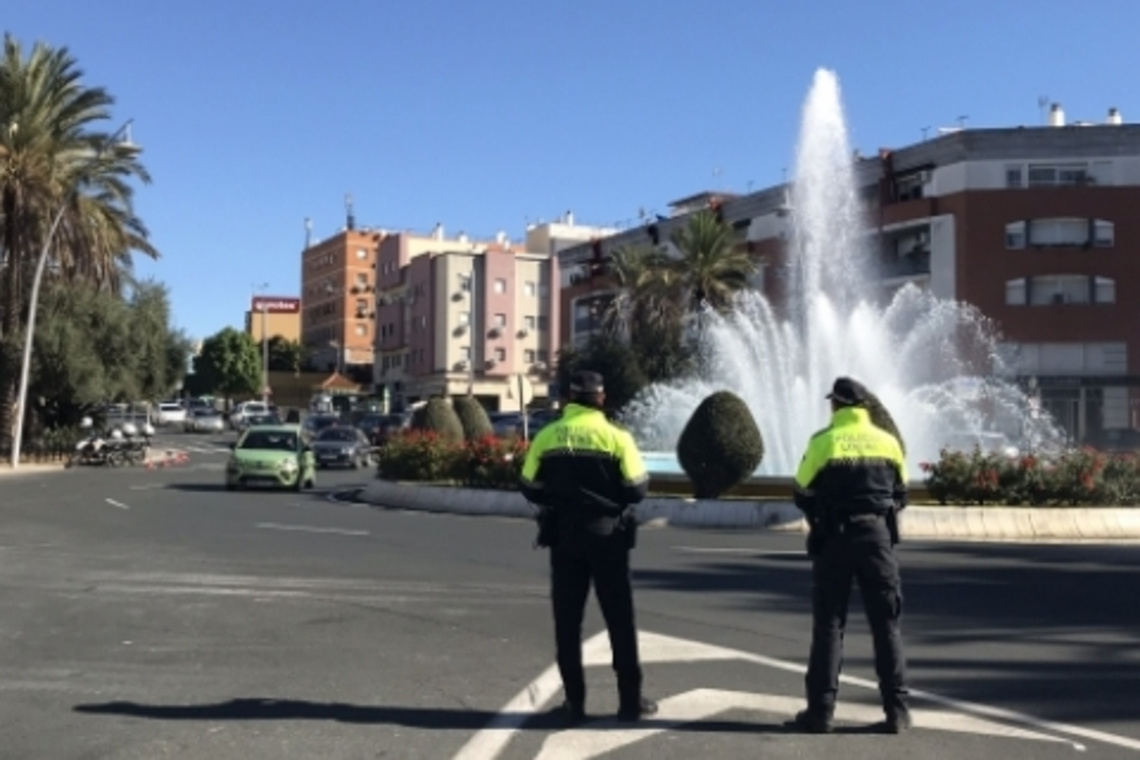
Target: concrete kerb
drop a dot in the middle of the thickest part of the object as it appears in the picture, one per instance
(917, 522)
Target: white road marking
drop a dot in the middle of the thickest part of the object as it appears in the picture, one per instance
(605, 736)
(313, 529)
(490, 742)
(118, 504)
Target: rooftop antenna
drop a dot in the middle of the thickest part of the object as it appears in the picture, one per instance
(1043, 107)
(308, 232)
(350, 222)
(962, 122)
(925, 131)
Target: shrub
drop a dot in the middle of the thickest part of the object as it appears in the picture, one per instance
(490, 462)
(417, 455)
(438, 417)
(720, 445)
(882, 419)
(1073, 477)
(473, 417)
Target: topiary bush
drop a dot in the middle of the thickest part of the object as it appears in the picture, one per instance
(882, 419)
(438, 417)
(720, 446)
(473, 417)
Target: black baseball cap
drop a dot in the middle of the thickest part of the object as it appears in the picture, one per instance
(848, 392)
(587, 383)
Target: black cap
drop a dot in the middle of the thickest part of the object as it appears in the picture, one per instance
(848, 392)
(587, 383)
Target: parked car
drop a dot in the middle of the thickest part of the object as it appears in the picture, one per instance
(171, 413)
(246, 409)
(342, 447)
(275, 457)
(202, 420)
(315, 423)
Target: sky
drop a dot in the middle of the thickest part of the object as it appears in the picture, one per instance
(488, 115)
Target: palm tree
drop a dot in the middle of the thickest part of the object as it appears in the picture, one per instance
(51, 159)
(712, 268)
(648, 291)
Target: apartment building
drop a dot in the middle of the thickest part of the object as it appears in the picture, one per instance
(1033, 225)
(457, 316)
(338, 311)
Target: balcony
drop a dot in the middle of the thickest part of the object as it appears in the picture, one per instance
(914, 264)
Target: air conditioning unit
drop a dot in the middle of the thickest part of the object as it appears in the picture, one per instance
(491, 363)
(539, 366)
(462, 365)
(495, 332)
(522, 333)
(457, 297)
(460, 330)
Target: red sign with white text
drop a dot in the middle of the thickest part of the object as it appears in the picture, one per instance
(277, 304)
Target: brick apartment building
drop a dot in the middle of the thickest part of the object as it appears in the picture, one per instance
(454, 314)
(338, 303)
(1036, 226)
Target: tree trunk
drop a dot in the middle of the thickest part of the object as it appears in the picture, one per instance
(9, 323)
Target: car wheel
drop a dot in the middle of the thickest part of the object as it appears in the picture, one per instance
(231, 486)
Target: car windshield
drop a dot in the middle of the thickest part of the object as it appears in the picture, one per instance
(337, 434)
(269, 440)
(320, 423)
(205, 413)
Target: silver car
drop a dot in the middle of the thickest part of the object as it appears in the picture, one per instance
(204, 421)
(342, 447)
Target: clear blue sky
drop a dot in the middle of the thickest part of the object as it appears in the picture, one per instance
(255, 114)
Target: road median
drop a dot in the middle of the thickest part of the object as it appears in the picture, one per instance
(968, 523)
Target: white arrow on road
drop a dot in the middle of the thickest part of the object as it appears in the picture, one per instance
(961, 716)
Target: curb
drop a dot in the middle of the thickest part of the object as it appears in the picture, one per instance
(947, 523)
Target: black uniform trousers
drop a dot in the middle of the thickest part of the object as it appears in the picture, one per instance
(858, 550)
(575, 561)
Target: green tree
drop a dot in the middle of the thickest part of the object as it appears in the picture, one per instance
(712, 268)
(52, 159)
(476, 423)
(613, 358)
(229, 364)
(285, 355)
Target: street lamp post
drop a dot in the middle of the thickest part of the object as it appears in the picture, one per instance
(33, 300)
(264, 340)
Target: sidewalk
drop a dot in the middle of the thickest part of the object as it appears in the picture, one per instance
(917, 522)
(155, 458)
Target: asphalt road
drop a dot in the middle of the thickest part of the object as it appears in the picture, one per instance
(151, 614)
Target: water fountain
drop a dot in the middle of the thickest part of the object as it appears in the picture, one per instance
(934, 363)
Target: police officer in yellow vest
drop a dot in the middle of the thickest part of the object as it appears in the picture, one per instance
(584, 473)
(850, 486)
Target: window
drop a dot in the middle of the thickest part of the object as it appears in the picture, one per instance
(1104, 233)
(528, 322)
(1015, 235)
(1058, 232)
(542, 355)
(529, 356)
(361, 305)
(1015, 292)
(500, 285)
(362, 329)
(1104, 290)
(361, 253)
(1013, 175)
(529, 289)
(542, 323)
(500, 320)
(465, 352)
(1059, 289)
(500, 354)
(361, 280)
(543, 291)
(423, 321)
(465, 283)
(464, 317)
(1054, 175)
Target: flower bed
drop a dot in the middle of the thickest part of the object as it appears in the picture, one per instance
(1083, 476)
(487, 462)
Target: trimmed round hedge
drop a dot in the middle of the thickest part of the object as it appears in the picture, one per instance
(439, 417)
(721, 445)
(473, 417)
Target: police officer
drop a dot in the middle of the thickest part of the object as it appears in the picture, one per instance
(850, 485)
(584, 473)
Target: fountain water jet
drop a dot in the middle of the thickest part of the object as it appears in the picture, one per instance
(934, 363)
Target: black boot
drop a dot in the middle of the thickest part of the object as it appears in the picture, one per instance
(812, 721)
(571, 713)
(898, 719)
(632, 710)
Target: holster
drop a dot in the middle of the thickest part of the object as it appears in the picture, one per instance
(547, 528)
(893, 525)
(821, 526)
(628, 527)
